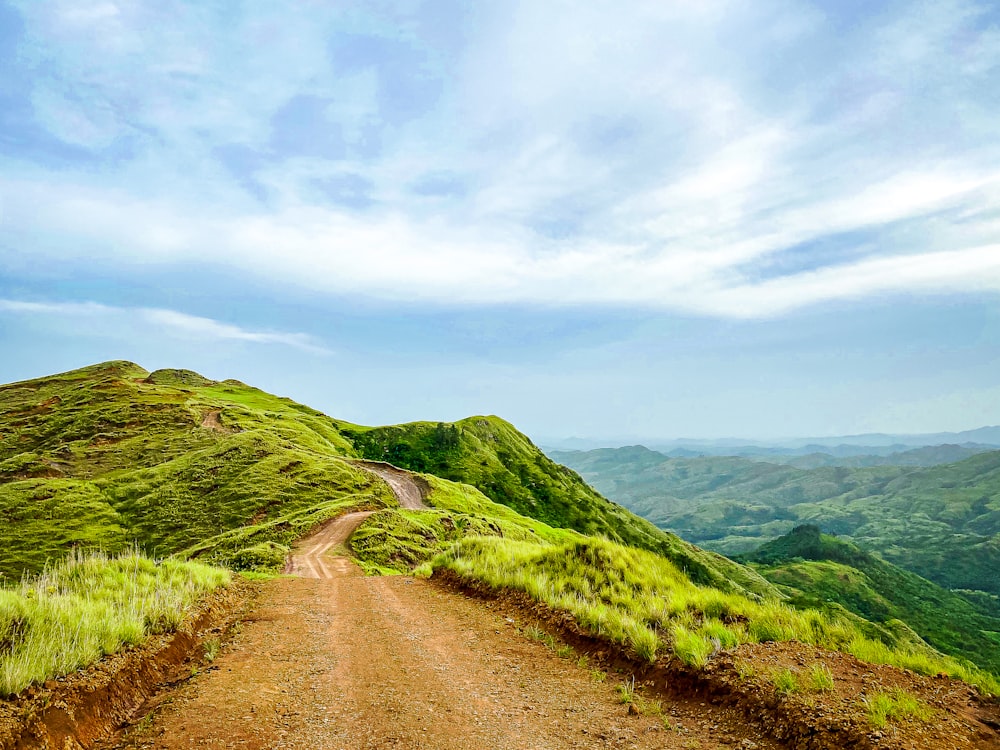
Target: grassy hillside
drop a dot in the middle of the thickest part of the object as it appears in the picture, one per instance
(110, 455)
(815, 569)
(649, 606)
(942, 522)
(90, 605)
(491, 455)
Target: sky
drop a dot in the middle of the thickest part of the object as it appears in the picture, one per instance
(625, 220)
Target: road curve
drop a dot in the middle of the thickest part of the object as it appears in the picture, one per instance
(404, 485)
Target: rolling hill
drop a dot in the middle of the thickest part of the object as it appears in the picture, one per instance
(182, 467)
(111, 456)
(941, 522)
(816, 569)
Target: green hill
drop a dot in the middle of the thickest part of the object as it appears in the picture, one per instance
(815, 569)
(941, 522)
(111, 455)
(491, 455)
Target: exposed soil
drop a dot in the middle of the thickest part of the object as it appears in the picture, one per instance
(409, 489)
(79, 710)
(365, 662)
(309, 560)
(213, 421)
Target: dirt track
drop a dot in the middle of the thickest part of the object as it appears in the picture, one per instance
(406, 489)
(310, 559)
(348, 661)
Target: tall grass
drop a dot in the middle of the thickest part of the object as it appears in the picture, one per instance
(645, 603)
(91, 605)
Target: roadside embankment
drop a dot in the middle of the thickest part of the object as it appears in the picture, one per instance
(76, 711)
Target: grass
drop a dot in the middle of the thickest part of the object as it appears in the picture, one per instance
(111, 455)
(89, 606)
(896, 705)
(505, 466)
(212, 647)
(786, 682)
(818, 569)
(647, 605)
(820, 678)
(626, 691)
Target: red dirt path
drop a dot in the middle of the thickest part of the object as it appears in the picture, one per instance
(358, 662)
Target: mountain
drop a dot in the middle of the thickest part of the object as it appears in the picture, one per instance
(816, 569)
(930, 455)
(845, 446)
(180, 466)
(112, 455)
(941, 522)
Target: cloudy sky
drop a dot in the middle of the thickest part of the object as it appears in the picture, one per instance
(639, 219)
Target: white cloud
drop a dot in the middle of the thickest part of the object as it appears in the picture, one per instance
(98, 318)
(676, 152)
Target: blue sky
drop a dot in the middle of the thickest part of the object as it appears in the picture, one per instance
(644, 220)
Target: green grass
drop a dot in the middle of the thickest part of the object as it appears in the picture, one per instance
(89, 606)
(397, 541)
(896, 705)
(111, 456)
(816, 569)
(786, 682)
(820, 678)
(646, 604)
(492, 456)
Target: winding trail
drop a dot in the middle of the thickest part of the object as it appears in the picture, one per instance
(334, 660)
(404, 486)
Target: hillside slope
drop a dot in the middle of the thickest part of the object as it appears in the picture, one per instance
(491, 455)
(112, 455)
(815, 569)
(941, 522)
(169, 461)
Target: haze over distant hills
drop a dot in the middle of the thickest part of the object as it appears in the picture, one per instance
(970, 442)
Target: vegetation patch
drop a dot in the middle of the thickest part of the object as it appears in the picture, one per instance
(647, 605)
(505, 466)
(89, 606)
(896, 705)
(817, 570)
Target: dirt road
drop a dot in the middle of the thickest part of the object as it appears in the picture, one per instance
(340, 660)
(310, 559)
(403, 484)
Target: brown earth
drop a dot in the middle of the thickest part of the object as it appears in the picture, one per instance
(365, 662)
(310, 559)
(213, 421)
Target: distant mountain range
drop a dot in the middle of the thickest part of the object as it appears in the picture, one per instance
(962, 445)
(941, 522)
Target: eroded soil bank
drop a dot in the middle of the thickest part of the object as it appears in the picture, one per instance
(743, 680)
(79, 710)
